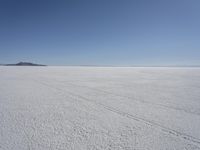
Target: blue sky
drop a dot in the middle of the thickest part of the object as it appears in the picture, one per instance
(100, 32)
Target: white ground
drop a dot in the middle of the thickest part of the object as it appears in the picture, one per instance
(64, 108)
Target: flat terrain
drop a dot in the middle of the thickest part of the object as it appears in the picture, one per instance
(99, 108)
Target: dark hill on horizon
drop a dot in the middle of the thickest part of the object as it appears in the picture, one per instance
(24, 64)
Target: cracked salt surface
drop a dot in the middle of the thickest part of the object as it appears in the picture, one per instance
(103, 108)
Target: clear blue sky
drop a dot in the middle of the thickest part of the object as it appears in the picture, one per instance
(100, 32)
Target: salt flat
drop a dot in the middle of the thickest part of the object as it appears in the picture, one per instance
(99, 108)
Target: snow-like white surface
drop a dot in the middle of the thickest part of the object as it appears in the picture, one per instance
(99, 108)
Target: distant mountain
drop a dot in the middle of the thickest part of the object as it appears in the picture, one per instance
(24, 64)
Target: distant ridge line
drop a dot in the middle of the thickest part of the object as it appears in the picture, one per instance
(23, 64)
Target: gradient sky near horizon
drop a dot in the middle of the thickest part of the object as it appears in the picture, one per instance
(100, 32)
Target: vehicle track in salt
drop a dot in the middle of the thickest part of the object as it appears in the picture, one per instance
(127, 97)
(127, 115)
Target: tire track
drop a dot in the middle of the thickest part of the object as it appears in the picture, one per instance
(127, 97)
(127, 115)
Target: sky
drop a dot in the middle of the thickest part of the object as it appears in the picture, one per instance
(100, 32)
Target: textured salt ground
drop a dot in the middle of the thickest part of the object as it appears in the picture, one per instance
(99, 108)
